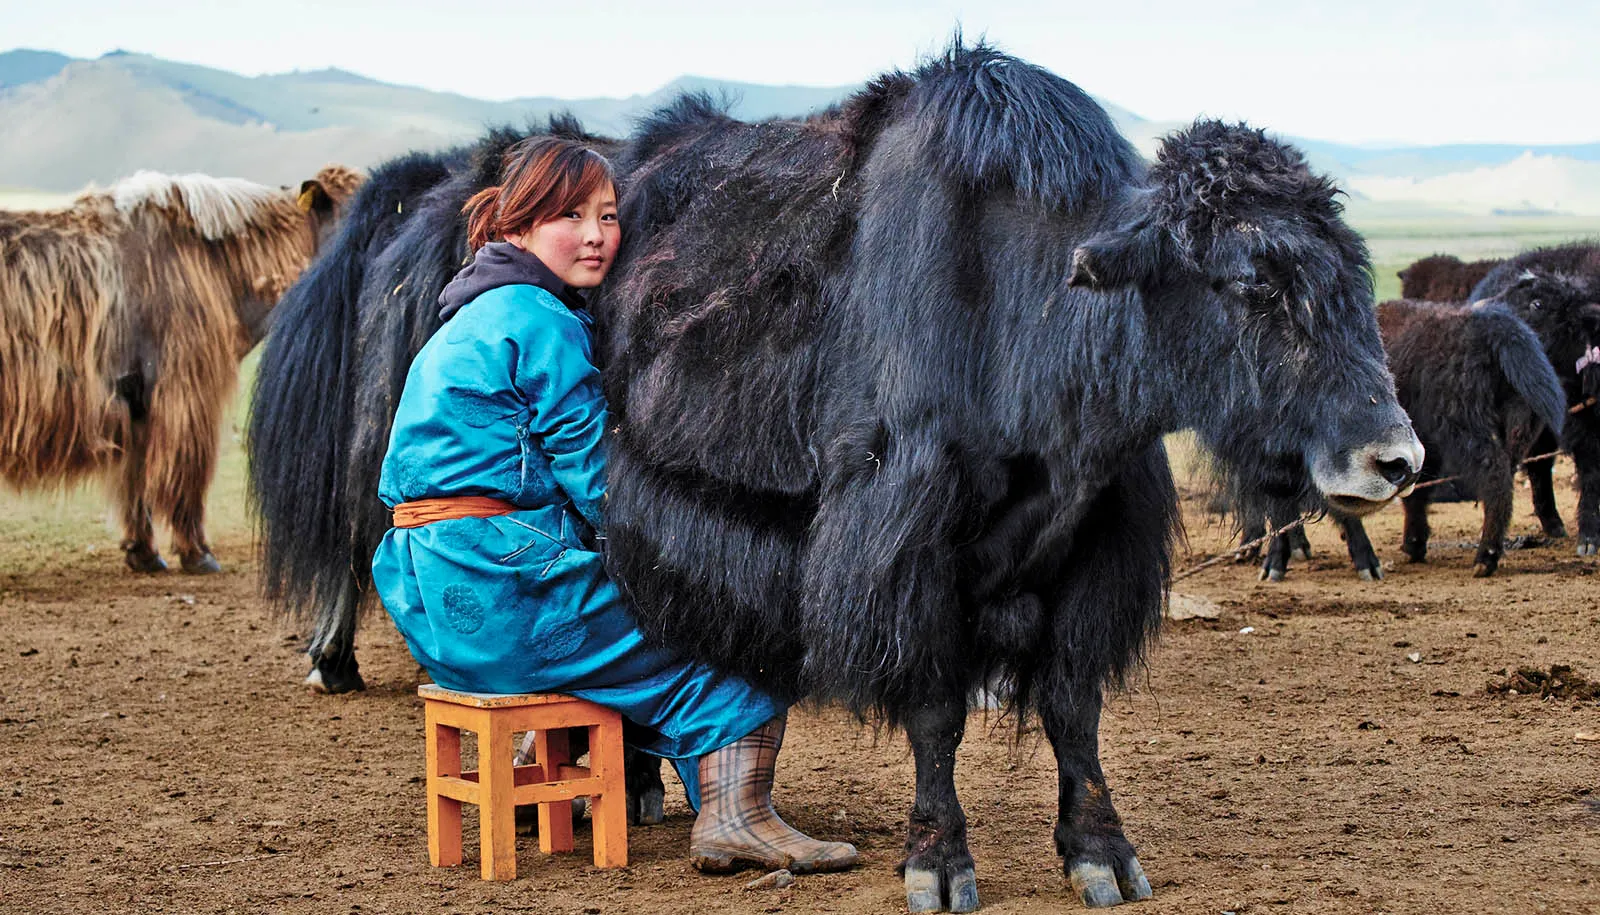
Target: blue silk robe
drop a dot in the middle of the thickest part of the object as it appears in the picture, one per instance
(505, 401)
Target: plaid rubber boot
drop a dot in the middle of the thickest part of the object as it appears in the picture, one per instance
(737, 826)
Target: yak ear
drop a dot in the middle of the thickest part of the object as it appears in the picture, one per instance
(314, 198)
(1109, 262)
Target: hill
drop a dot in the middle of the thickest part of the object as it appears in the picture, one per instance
(70, 122)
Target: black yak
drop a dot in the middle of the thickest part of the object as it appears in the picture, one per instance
(1480, 392)
(890, 385)
(1560, 323)
(1564, 310)
(1443, 278)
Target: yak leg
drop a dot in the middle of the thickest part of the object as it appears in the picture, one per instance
(1098, 858)
(938, 868)
(1414, 542)
(1362, 555)
(1252, 531)
(333, 646)
(1495, 490)
(188, 529)
(1282, 545)
(186, 504)
(1583, 442)
(1544, 494)
(138, 534)
(647, 795)
(1299, 544)
(184, 416)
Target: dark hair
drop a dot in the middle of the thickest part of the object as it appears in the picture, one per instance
(540, 178)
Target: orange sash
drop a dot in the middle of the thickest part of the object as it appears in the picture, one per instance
(427, 511)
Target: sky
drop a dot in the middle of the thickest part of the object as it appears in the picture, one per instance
(1356, 71)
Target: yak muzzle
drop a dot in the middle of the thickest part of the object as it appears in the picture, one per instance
(1363, 480)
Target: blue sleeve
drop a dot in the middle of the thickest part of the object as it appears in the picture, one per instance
(557, 375)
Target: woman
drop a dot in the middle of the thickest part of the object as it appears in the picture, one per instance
(496, 474)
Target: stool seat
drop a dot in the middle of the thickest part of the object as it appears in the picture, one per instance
(495, 700)
(498, 786)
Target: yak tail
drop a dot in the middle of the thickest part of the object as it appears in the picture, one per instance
(304, 397)
(1522, 360)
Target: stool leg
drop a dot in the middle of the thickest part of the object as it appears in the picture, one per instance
(609, 809)
(555, 819)
(444, 814)
(497, 811)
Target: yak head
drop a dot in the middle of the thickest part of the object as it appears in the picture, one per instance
(323, 198)
(1259, 316)
(1562, 309)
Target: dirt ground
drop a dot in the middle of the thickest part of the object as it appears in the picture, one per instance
(1325, 746)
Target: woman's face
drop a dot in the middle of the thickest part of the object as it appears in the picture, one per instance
(579, 245)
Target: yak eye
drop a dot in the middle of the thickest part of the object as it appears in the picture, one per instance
(1534, 304)
(1254, 290)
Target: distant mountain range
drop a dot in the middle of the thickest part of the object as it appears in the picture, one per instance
(70, 122)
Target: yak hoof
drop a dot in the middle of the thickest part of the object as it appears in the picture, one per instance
(332, 680)
(1482, 570)
(1300, 553)
(648, 807)
(144, 561)
(1272, 574)
(1555, 530)
(950, 889)
(204, 564)
(1100, 886)
(1588, 546)
(1373, 574)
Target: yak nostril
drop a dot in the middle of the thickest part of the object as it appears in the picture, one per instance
(1396, 470)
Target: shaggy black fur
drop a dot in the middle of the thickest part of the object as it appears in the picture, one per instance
(1479, 390)
(1561, 308)
(1579, 259)
(889, 387)
(302, 406)
(1443, 278)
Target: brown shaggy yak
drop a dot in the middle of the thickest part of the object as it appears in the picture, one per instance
(122, 322)
(1443, 278)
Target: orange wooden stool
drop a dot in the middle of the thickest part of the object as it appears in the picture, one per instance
(499, 786)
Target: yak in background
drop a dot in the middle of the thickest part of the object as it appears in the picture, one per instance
(1480, 392)
(1443, 278)
(1552, 289)
(122, 322)
(889, 389)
